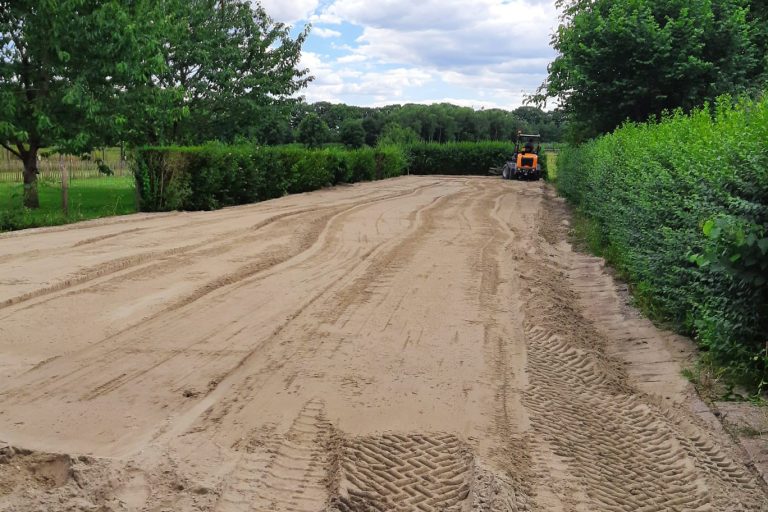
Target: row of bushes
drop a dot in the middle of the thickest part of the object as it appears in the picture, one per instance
(457, 157)
(680, 207)
(215, 175)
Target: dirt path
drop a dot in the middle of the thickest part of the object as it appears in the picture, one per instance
(417, 344)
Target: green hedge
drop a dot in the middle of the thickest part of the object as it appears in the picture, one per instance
(459, 157)
(681, 208)
(214, 176)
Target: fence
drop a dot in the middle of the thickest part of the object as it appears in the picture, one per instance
(49, 167)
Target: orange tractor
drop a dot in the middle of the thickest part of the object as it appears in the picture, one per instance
(525, 164)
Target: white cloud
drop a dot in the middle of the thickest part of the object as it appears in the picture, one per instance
(325, 33)
(491, 52)
(327, 18)
(349, 59)
(490, 33)
(332, 83)
(289, 11)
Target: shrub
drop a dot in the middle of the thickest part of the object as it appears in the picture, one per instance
(215, 175)
(311, 172)
(352, 133)
(391, 161)
(458, 157)
(313, 131)
(362, 165)
(681, 208)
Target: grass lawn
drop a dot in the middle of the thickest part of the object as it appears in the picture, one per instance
(88, 199)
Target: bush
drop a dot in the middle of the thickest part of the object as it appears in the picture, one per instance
(391, 161)
(680, 207)
(215, 175)
(313, 131)
(458, 157)
(352, 133)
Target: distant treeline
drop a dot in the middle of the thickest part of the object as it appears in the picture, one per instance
(323, 122)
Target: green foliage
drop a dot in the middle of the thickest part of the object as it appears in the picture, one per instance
(681, 208)
(313, 131)
(228, 70)
(391, 161)
(550, 164)
(217, 175)
(65, 69)
(393, 133)
(352, 133)
(633, 59)
(458, 157)
(443, 122)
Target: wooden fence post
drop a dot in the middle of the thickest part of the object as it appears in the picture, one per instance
(64, 186)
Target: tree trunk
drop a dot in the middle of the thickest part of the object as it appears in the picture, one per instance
(31, 199)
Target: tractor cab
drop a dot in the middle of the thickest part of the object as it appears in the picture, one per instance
(525, 161)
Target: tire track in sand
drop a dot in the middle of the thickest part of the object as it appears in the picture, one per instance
(314, 237)
(616, 441)
(326, 306)
(282, 472)
(218, 242)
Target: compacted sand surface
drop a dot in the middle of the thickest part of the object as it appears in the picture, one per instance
(416, 344)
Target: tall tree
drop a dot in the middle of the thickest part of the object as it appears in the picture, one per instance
(758, 16)
(313, 131)
(228, 67)
(442, 122)
(631, 59)
(63, 67)
(352, 133)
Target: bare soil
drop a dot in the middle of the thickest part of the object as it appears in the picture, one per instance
(417, 344)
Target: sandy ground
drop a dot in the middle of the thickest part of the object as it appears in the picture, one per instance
(417, 344)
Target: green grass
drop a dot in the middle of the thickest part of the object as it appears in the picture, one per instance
(551, 157)
(88, 199)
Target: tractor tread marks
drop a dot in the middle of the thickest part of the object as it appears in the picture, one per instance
(404, 472)
(286, 473)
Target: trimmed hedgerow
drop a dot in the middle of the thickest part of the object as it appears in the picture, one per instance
(461, 157)
(458, 157)
(215, 175)
(680, 207)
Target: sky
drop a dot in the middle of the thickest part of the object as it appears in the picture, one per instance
(480, 53)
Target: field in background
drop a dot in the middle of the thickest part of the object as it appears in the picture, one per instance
(88, 199)
(49, 166)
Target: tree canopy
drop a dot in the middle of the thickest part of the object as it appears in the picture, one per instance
(229, 70)
(77, 74)
(441, 122)
(64, 68)
(631, 59)
(352, 133)
(313, 131)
